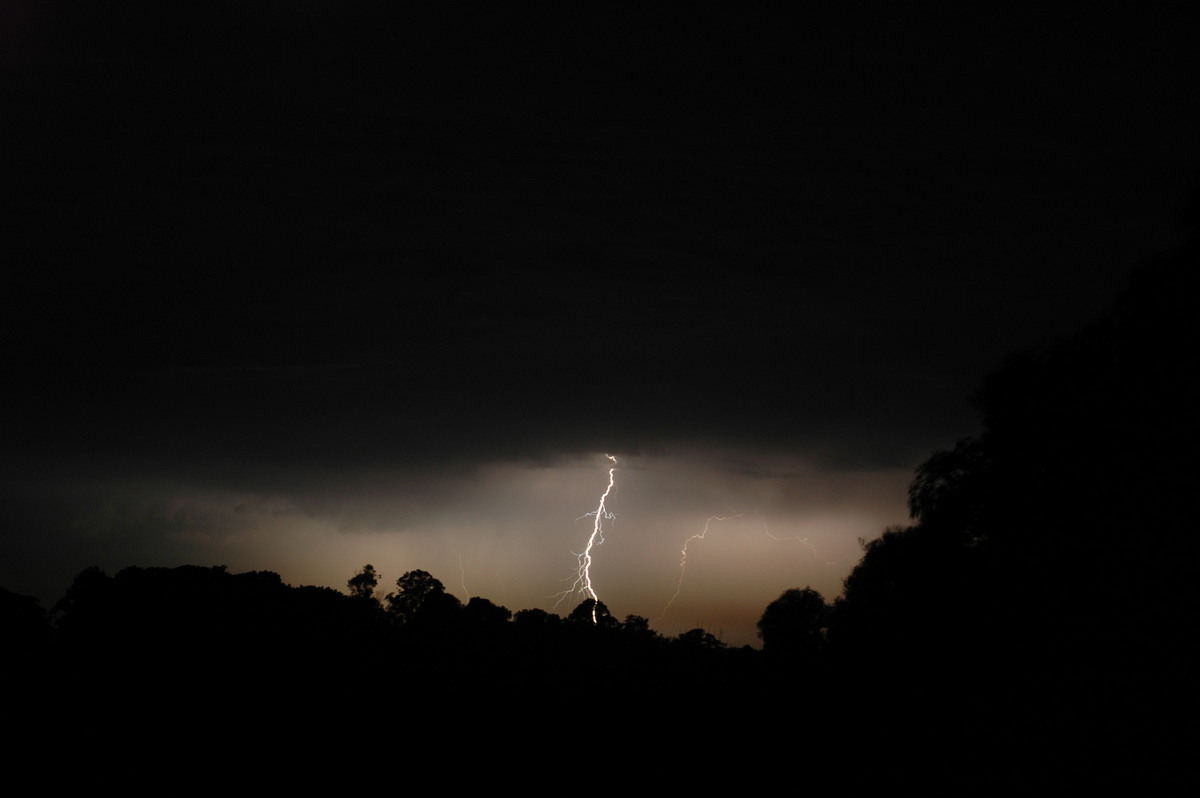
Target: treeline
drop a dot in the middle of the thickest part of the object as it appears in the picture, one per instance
(192, 615)
(1032, 630)
(193, 670)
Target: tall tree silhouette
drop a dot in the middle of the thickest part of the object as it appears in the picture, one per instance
(1050, 571)
(362, 585)
(793, 626)
(421, 600)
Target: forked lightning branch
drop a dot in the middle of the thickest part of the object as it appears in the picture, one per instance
(583, 576)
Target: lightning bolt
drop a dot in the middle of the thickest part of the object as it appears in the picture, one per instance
(583, 575)
(462, 577)
(700, 536)
(683, 558)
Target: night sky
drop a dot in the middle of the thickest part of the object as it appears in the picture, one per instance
(302, 286)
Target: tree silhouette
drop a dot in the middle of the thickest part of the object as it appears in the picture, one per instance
(362, 585)
(1044, 589)
(24, 631)
(481, 615)
(421, 599)
(583, 614)
(699, 640)
(82, 608)
(951, 491)
(535, 618)
(637, 626)
(793, 626)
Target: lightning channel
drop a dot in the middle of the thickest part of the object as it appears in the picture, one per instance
(583, 575)
(801, 539)
(462, 577)
(683, 554)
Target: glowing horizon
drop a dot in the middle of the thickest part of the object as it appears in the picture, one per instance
(502, 531)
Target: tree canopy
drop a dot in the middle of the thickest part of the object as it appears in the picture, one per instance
(421, 599)
(793, 626)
